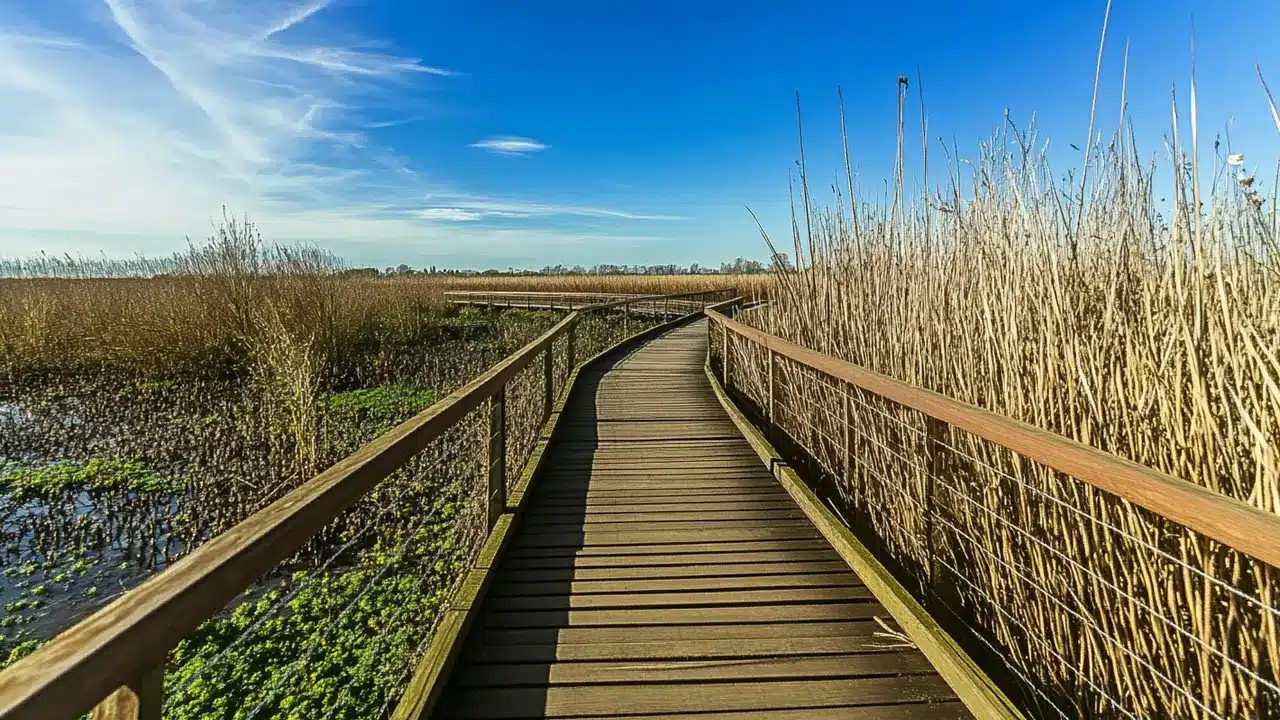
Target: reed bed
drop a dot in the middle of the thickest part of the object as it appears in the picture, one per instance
(1087, 311)
(214, 310)
(748, 285)
(143, 413)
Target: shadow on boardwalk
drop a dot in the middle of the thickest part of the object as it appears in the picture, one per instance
(660, 570)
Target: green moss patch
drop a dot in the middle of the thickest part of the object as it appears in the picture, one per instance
(98, 475)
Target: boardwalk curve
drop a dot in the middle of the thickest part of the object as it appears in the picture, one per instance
(660, 569)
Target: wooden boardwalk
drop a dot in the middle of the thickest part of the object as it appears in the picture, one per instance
(660, 570)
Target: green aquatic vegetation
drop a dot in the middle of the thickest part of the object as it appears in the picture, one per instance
(376, 409)
(385, 399)
(20, 651)
(350, 663)
(98, 475)
(345, 640)
(157, 386)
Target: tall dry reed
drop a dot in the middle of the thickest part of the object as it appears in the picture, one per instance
(1083, 310)
(749, 285)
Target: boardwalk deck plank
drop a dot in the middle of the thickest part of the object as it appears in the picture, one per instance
(668, 697)
(660, 570)
(507, 586)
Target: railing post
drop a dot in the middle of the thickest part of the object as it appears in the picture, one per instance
(710, 330)
(773, 397)
(569, 336)
(548, 379)
(846, 419)
(937, 432)
(724, 357)
(497, 455)
(626, 320)
(137, 701)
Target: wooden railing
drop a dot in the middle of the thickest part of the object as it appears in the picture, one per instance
(114, 661)
(647, 304)
(532, 300)
(933, 480)
(1231, 522)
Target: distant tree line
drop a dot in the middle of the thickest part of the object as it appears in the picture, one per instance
(740, 266)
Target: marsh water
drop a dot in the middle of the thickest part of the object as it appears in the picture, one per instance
(106, 480)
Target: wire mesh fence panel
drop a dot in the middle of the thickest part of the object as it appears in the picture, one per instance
(1163, 621)
(525, 413)
(599, 329)
(1080, 603)
(335, 630)
(560, 358)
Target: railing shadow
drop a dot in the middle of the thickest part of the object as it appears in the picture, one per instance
(507, 663)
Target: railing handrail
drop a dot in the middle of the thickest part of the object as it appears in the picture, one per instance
(649, 298)
(538, 293)
(133, 634)
(613, 298)
(1232, 522)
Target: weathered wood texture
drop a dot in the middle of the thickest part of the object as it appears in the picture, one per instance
(661, 570)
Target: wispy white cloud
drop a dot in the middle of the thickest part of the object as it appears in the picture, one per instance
(128, 124)
(516, 209)
(143, 117)
(510, 145)
(449, 214)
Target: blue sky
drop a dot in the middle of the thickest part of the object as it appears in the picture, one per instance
(500, 134)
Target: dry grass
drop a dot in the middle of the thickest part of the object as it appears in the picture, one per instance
(213, 312)
(217, 307)
(749, 285)
(1086, 312)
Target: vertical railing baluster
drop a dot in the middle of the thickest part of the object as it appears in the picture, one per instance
(626, 320)
(142, 700)
(497, 455)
